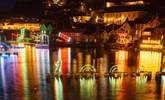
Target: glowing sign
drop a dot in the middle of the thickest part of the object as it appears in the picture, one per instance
(18, 26)
(135, 3)
(122, 38)
(148, 46)
(65, 37)
(151, 41)
(151, 44)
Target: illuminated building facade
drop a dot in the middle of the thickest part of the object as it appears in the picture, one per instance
(108, 13)
(149, 61)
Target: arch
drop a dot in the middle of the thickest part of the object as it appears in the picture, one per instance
(87, 68)
(113, 68)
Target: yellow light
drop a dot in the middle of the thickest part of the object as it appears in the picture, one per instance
(151, 46)
(135, 3)
(146, 33)
(150, 61)
(81, 19)
(109, 4)
(121, 58)
(18, 26)
(151, 41)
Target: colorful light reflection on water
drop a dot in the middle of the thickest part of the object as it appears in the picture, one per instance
(87, 89)
(23, 77)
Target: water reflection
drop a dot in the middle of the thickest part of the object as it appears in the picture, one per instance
(115, 86)
(74, 59)
(58, 88)
(24, 73)
(140, 83)
(3, 82)
(23, 77)
(163, 87)
(87, 89)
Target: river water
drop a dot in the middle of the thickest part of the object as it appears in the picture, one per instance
(23, 76)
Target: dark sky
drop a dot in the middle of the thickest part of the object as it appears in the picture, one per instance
(20, 7)
(7, 5)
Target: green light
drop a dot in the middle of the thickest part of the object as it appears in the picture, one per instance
(43, 29)
(59, 89)
(19, 39)
(25, 75)
(27, 39)
(58, 67)
(22, 31)
(22, 34)
(87, 88)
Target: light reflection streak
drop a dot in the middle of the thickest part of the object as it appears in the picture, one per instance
(32, 72)
(64, 54)
(140, 83)
(79, 60)
(19, 72)
(59, 58)
(115, 84)
(3, 77)
(69, 60)
(87, 89)
(38, 64)
(58, 88)
(163, 87)
(15, 69)
(24, 73)
(47, 60)
(42, 68)
(34, 64)
(42, 61)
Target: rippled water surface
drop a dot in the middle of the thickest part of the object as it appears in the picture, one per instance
(23, 76)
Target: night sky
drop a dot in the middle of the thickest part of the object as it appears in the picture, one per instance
(7, 5)
(20, 7)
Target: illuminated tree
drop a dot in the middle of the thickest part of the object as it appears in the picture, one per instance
(43, 29)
